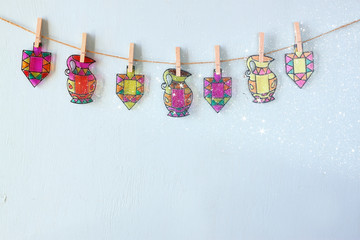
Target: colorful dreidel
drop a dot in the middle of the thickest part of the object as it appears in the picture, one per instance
(217, 90)
(81, 82)
(262, 81)
(177, 94)
(36, 64)
(130, 86)
(299, 65)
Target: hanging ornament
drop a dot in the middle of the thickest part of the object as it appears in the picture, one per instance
(81, 82)
(299, 65)
(130, 86)
(36, 64)
(177, 94)
(262, 81)
(217, 90)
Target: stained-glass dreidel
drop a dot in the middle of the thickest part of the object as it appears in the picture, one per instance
(36, 63)
(299, 65)
(217, 89)
(130, 86)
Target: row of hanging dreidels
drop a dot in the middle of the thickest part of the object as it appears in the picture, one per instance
(81, 83)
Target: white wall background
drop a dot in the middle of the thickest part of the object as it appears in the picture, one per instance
(99, 171)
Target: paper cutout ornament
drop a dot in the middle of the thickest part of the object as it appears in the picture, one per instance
(177, 94)
(217, 91)
(36, 64)
(262, 81)
(299, 66)
(81, 82)
(130, 87)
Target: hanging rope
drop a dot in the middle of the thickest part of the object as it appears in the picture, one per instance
(173, 63)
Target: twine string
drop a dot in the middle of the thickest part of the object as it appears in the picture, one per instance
(173, 63)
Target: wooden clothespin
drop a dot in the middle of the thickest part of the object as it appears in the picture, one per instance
(131, 58)
(178, 62)
(83, 48)
(38, 32)
(261, 47)
(298, 37)
(217, 60)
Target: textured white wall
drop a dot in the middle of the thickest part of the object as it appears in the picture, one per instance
(99, 171)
